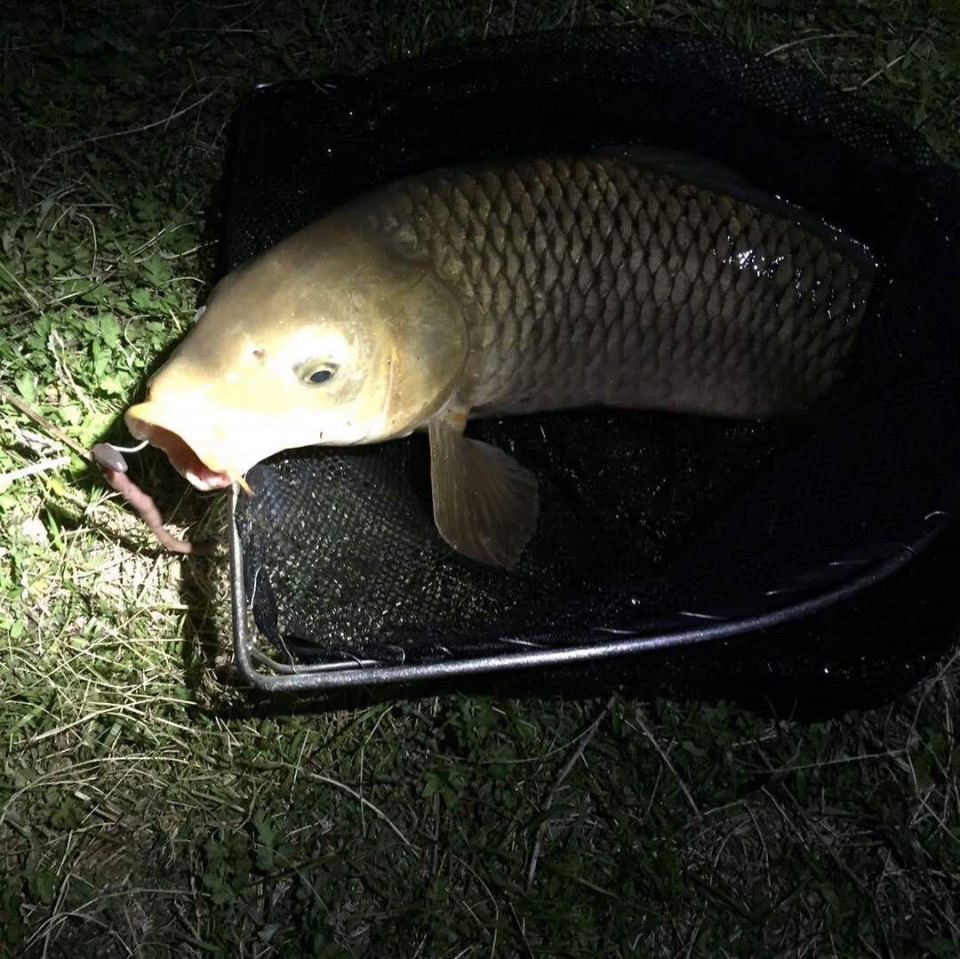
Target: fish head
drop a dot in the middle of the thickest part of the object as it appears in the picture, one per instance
(328, 338)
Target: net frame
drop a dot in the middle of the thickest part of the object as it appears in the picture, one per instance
(898, 156)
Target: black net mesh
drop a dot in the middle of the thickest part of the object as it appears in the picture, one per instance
(650, 522)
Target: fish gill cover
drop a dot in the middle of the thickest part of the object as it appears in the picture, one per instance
(651, 524)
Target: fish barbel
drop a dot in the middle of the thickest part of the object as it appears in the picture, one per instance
(628, 278)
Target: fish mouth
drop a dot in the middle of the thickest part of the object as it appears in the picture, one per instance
(181, 455)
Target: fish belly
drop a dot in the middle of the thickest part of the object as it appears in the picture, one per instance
(600, 280)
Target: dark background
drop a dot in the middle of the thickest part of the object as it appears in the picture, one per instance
(146, 809)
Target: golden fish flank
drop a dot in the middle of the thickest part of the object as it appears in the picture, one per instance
(628, 278)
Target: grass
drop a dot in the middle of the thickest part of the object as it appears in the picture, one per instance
(145, 809)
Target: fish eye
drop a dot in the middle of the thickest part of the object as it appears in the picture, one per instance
(316, 373)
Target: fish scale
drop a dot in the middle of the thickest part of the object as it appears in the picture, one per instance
(603, 279)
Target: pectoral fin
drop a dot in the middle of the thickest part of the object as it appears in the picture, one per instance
(484, 501)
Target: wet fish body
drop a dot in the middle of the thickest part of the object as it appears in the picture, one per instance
(631, 278)
(607, 280)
